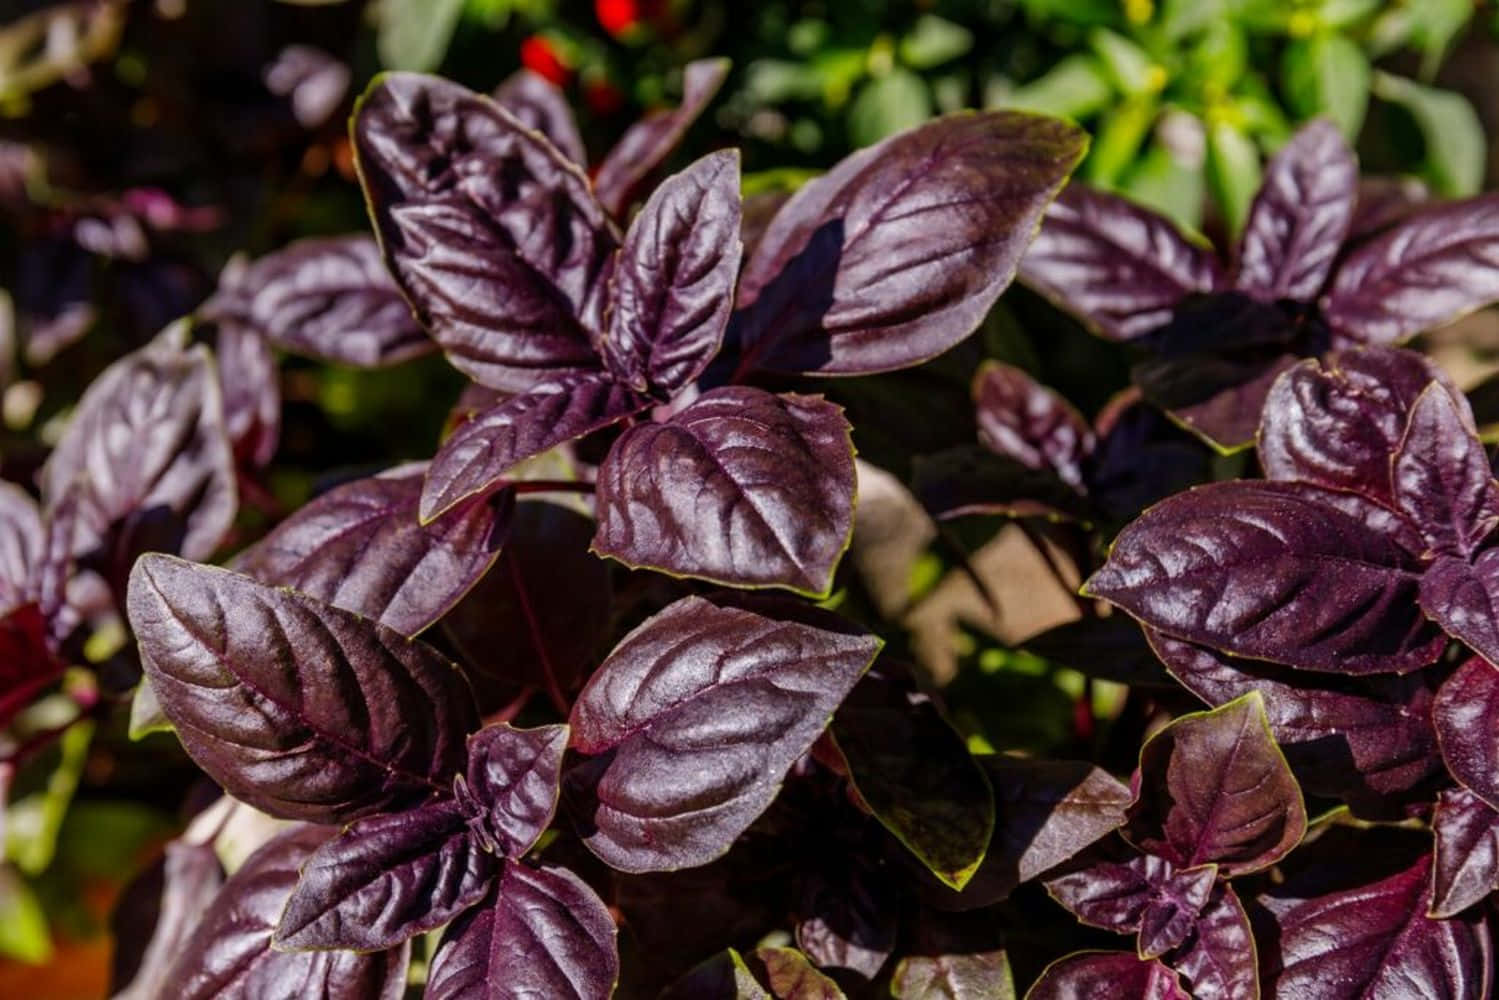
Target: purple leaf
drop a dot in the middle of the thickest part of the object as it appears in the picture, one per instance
(229, 956)
(1141, 457)
(741, 487)
(1145, 894)
(385, 879)
(652, 139)
(1464, 714)
(540, 106)
(1085, 975)
(845, 920)
(1463, 599)
(1118, 267)
(790, 976)
(298, 708)
(314, 82)
(329, 298)
(1215, 788)
(1440, 475)
(27, 663)
(1218, 958)
(1273, 571)
(971, 479)
(1384, 200)
(897, 253)
(1375, 941)
(252, 394)
(1299, 217)
(191, 877)
(479, 453)
(696, 717)
(1426, 270)
(493, 235)
(1335, 423)
(972, 976)
(724, 976)
(1020, 419)
(1465, 860)
(1364, 739)
(1218, 397)
(544, 933)
(511, 785)
(21, 544)
(673, 283)
(360, 547)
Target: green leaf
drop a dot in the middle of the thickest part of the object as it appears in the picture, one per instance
(1157, 180)
(1130, 67)
(1218, 59)
(32, 823)
(414, 34)
(146, 716)
(1120, 135)
(1076, 87)
(1179, 18)
(889, 104)
(1233, 170)
(1455, 148)
(1327, 75)
(933, 41)
(23, 923)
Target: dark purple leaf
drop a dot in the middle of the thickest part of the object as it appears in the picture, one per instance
(1299, 217)
(652, 139)
(673, 283)
(1215, 788)
(252, 393)
(229, 955)
(790, 976)
(1426, 270)
(479, 453)
(1384, 200)
(1335, 423)
(1141, 457)
(1086, 975)
(21, 544)
(360, 547)
(191, 876)
(511, 784)
(539, 105)
(741, 487)
(1218, 397)
(897, 253)
(301, 709)
(1464, 600)
(973, 976)
(1218, 958)
(1464, 714)
(971, 479)
(385, 879)
(846, 920)
(27, 663)
(724, 976)
(1118, 267)
(329, 298)
(1112, 648)
(314, 81)
(1273, 571)
(1465, 860)
(1375, 941)
(756, 212)
(493, 235)
(914, 772)
(544, 933)
(1145, 894)
(53, 290)
(695, 718)
(1020, 419)
(1440, 475)
(1363, 739)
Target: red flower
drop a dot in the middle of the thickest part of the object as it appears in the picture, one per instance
(617, 16)
(540, 57)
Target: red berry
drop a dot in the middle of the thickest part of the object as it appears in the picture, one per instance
(538, 56)
(617, 16)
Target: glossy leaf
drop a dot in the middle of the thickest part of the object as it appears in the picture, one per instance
(191, 877)
(1273, 571)
(1118, 267)
(360, 547)
(1020, 419)
(971, 479)
(898, 252)
(21, 544)
(1441, 477)
(1376, 940)
(647, 143)
(229, 955)
(1462, 598)
(974, 976)
(673, 284)
(1465, 860)
(1219, 957)
(1215, 788)
(386, 879)
(741, 487)
(1146, 894)
(511, 785)
(1218, 397)
(694, 719)
(492, 234)
(1087, 974)
(252, 394)
(1464, 714)
(540, 105)
(1424, 271)
(329, 298)
(296, 707)
(1300, 216)
(476, 456)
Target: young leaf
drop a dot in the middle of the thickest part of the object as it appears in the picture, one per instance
(298, 708)
(694, 719)
(1215, 788)
(673, 282)
(540, 106)
(1146, 894)
(542, 933)
(511, 785)
(1441, 477)
(790, 976)
(1020, 419)
(479, 453)
(973, 976)
(229, 955)
(360, 547)
(1464, 713)
(1375, 940)
(1118, 267)
(1087, 974)
(386, 879)
(1273, 571)
(1300, 216)
(493, 235)
(1219, 957)
(741, 487)
(329, 298)
(898, 252)
(1465, 859)
(652, 139)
